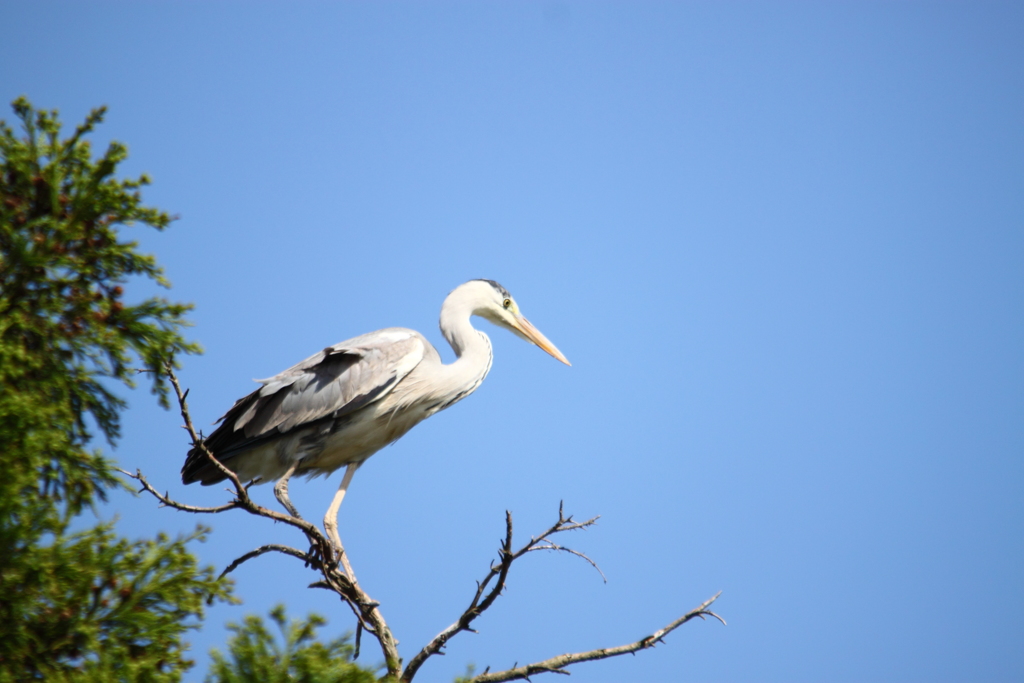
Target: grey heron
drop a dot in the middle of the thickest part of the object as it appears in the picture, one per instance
(343, 404)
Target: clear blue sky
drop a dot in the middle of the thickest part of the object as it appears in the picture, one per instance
(782, 244)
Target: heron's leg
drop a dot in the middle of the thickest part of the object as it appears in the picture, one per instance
(331, 518)
(281, 491)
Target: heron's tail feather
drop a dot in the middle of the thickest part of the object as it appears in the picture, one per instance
(200, 468)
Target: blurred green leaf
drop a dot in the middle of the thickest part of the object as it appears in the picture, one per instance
(254, 655)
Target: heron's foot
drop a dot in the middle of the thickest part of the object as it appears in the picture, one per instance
(320, 556)
(281, 493)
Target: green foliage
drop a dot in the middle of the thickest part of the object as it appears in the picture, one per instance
(85, 606)
(256, 657)
(468, 676)
(95, 607)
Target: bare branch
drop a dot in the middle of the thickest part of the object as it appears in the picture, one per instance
(557, 664)
(484, 598)
(167, 501)
(197, 441)
(270, 547)
(476, 607)
(563, 549)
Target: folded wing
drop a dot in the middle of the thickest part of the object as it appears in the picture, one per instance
(333, 383)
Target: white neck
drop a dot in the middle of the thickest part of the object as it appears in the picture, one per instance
(471, 346)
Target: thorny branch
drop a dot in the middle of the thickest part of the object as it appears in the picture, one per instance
(342, 580)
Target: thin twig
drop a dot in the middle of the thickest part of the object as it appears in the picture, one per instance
(557, 664)
(166, 501)
(577, 553)
(270, 547)
(197, 441)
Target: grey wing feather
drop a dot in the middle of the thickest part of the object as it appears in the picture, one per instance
(337, 381)
(316, 391)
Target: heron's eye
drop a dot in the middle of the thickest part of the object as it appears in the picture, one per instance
(506, 303)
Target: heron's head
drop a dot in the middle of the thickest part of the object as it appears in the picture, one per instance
(488, 299)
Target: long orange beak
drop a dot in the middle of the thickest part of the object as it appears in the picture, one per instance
(534, 335)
